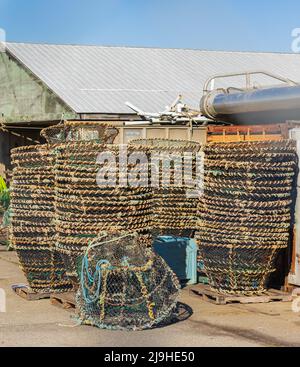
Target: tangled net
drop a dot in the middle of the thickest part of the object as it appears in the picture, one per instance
(174, 209)
(85, 207)
(33, 214)
(125, 286)
(245, 212)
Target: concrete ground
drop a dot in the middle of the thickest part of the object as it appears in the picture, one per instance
(38, 323)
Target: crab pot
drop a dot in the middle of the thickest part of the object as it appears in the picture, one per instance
(245, 213)
(131, 288)
(174, 202)
(69, 131)
(83, 206)
(90, 200)
(33, 219)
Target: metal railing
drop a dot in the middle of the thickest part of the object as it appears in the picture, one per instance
(209, 84)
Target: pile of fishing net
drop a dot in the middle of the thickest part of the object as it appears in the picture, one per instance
(91, 192)
(245, 212)
(33, 219)
(124, 285)
(174, 193)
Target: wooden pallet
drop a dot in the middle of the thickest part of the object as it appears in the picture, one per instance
(211, 296)
(228, 134)
(65, 301)
(29, 295)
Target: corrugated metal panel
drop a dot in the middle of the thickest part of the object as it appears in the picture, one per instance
(94, 79)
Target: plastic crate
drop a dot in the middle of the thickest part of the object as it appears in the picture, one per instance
(180, 254)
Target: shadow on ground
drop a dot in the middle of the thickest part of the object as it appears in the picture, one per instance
(181, 313)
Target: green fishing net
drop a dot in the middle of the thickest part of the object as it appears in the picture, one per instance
(124, 285)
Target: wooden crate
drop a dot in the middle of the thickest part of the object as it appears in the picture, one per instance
(272, 295)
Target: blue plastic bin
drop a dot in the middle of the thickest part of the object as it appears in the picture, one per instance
(180, 254)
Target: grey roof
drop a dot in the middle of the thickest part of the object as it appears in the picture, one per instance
(96, 79)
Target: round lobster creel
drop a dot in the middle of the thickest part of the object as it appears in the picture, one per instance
(125, 286)
(238, 264)
(80, 131)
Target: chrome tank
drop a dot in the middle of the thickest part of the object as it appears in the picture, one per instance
(273, 104)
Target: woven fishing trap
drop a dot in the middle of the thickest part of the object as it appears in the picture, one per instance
(245, 213)
(174, 208)
(80, 131)
(85, 206)
(33, 219)
(124, 285)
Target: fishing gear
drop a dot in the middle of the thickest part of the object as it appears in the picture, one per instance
(245, 213)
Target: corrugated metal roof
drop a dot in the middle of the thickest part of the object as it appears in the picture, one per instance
(96, 79)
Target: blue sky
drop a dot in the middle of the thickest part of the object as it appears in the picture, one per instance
(246, 25)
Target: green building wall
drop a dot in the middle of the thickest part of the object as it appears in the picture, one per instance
(25, 98)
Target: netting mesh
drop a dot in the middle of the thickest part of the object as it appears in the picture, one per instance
(80, 131)
(84, 208)
(245, 212)
(174, 202)
(124, 285)
(33, 214)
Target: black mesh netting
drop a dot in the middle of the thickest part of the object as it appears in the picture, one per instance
(80, 131)
(33, 219)
(124, 285)
(245, 212)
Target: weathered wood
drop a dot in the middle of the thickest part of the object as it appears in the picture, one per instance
(216, 298)
(29, 295)
(65, 301)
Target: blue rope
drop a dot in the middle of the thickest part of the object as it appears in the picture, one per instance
(91, 278)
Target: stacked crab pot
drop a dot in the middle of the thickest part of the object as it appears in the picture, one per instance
(93, 192)
(245, 213)
(173, 179)
(33, 219)
(86, 206)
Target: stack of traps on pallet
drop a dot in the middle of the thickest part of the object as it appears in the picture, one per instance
(245, 212)
(61, 202)
(58, 206)
(33, 219)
